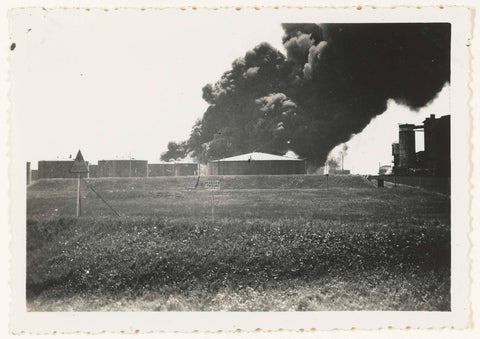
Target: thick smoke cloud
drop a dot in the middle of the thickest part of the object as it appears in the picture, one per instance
(332, 81)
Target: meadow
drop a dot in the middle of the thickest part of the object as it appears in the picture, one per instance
(277, 243)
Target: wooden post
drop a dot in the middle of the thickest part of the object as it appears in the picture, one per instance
(79, 207)
(213, 208)
(29, 173)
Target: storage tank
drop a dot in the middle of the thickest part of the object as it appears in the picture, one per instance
(257, 163)
(52, 169)
(406, 138)
(122, 168)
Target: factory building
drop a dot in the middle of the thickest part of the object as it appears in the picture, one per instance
(435, 159)
(257, 163)
(437, 144)
(122, 168)
(168, 169)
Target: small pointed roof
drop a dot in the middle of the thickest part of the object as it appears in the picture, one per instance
(79, 165)
(258, 156)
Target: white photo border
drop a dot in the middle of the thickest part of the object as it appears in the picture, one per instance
(96, 322)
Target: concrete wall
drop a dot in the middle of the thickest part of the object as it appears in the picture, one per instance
(122, 168)
(172, 169)
(276, 167)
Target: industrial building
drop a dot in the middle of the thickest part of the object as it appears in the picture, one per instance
(173, 169)
(435, 159)
(122, 168)
(257, 163)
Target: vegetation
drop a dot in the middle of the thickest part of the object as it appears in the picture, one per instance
(349, 247)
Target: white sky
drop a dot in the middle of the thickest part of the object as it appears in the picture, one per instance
(128, 81)
(115, 83)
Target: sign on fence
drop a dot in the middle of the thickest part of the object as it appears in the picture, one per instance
(212, 184)
(79, 164)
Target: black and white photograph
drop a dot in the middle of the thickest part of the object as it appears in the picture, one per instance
(173, 163)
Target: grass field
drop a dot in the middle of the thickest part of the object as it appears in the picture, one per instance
(278, 243)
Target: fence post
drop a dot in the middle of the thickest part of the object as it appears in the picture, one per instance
(79, 207)
(213, 209)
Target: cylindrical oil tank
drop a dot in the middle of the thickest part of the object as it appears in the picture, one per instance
(407, 146)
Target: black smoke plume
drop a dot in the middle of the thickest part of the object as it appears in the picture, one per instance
(333, 80)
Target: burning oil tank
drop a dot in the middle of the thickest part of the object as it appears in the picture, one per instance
(406, 156)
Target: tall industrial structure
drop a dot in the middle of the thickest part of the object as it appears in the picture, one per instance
(437, 144)
(435, 159)
(407, 156)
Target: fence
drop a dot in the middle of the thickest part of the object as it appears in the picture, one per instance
(437, 184)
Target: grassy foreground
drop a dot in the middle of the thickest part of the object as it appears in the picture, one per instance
(346, 248)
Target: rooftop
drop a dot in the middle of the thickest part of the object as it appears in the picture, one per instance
(123, 160)
(173, 163)
(258, 156)
(58, 159)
